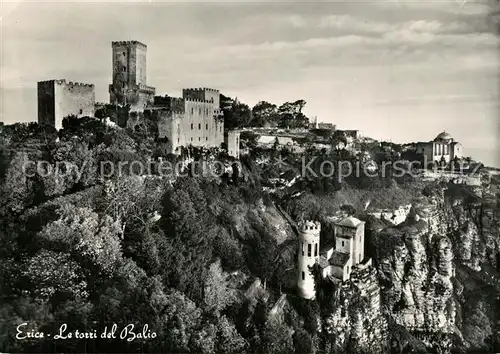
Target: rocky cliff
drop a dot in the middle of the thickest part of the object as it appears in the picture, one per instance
(438, 271)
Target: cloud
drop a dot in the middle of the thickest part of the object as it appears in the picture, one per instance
(439, 99)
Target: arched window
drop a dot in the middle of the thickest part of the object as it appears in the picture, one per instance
(303, 276)
(309, 250)
(316, 250)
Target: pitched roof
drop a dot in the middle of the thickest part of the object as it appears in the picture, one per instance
(323, 262)
(339, 259)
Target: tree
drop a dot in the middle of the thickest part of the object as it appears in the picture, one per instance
(236, 114)
(81, 232)
(218, 294)
(291, 115)
(49, 273)
(264, 114)
(302, 342)
(228, 338)
(338, 139)
(277, 337)
(17, 189)
(182, 318)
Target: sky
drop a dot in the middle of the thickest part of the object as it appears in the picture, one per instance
(402, 71)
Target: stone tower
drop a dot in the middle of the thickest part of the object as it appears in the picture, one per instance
(309, 232)
(129, 76)
(58, 99)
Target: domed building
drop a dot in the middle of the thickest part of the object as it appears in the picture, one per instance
(442, 148)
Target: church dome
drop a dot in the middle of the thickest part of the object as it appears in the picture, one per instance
(443, 136)
(350, 222)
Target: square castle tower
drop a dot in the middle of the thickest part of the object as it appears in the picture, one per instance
(129, 76)
(58, 99)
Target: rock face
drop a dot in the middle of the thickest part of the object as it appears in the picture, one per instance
(358, 324)
(417, 266)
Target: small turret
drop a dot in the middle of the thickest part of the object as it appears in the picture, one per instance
(308, 255)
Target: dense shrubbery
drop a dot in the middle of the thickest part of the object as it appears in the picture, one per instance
(91, 251)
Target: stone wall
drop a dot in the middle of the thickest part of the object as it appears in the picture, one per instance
(129, 85)
(58, 99)
(232, 140)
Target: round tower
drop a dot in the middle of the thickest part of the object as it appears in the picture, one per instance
(308, 255)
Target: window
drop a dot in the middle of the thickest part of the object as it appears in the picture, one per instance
(342, 243)
(178, 140)
(199, 126)
(303, 248)
(81, 111)
(199, 112)
(191, 138)
(124, 54)
(206, 126)
(309, 249)
(206, 138)
(316, 250)
(220, 129)
(124, 69)
(191, 126)
(192, 110)
(303, 276)
(199, 138)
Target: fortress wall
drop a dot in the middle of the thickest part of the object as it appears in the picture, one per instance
(58, 99)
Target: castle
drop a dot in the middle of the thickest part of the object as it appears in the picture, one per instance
(336, 260)
(194, 119)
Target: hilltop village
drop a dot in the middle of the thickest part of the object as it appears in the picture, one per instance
(196, 120)
(287, 249)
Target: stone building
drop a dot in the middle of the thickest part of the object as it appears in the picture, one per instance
(195, 119)
(129, 76)
(349, 248)
(442, 148)
(321, 125)
(309, 237)
(58, 99)
(336, 260)
(232, 140)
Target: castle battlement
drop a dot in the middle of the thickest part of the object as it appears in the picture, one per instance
(127, 43)
(200, 89)
(67, 83)
(79, 84)
(190, 99)
(309, 225)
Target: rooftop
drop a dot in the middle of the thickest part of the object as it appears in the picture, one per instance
(339, 259)
(443, 136)
(350, 222)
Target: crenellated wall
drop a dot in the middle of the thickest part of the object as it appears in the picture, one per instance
(191, 120)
